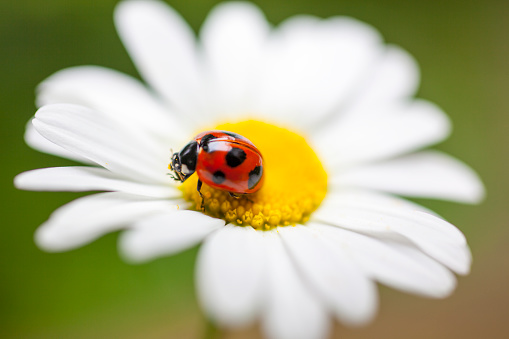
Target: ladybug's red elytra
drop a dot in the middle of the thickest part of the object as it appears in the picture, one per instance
(222, 160)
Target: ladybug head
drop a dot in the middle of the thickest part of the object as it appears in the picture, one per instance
(183, 163)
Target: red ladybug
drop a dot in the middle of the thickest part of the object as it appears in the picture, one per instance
(223, 160)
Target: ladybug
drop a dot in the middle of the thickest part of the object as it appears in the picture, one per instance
(222, 160)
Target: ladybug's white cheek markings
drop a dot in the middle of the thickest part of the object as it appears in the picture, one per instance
(295, 182)
(184, 169)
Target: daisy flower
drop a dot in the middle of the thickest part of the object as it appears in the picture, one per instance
(328, 104)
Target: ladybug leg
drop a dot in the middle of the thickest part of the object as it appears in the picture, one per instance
(239, 196)
(233, 195)
(246, 196)
(198, 188)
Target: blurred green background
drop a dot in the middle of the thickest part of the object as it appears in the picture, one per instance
(463, 50)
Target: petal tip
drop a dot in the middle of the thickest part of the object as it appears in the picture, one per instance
(130, 252)
(18, 181)
(46, 240)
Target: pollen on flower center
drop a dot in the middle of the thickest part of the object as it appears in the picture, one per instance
(295, 181)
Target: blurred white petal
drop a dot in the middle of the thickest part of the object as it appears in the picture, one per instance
(85, 219)
(119, 96)
(382, 131)
(427, 174)
(233, 38)
(390, 205)
(166, 234)
(312, 66)
(163, 49)
(292, 311)
(395, 77)
(340, 284)
(90, 134)
(429, 233)
(82, 179)
(229, 275)
(35, 140)
(394, 264)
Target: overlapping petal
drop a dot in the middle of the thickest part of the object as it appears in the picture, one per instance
(118, 96)
(291, 310)
(82, 179)
(230, 272)
(312, 66)
(394, 77)
(381, 131)
(233, 39)
(429, 233)
(163, 49)
(166, 233)
(338, 282)
(392, 263)
(92, 135)
(85, 219)
(35, 140)
(427, 174)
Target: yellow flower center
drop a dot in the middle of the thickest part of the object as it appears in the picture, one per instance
(295, 181)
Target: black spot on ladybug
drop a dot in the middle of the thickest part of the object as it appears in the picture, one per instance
(218, 177)
(235, 157)
(204, 143)
(254, 176)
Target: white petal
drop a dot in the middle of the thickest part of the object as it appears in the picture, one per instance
(335, 278)
(391, 205)
(82, 179)
(394, 264)
(396, 76)
(162, 46)
(393, 80)
(230, 271)
(166, 234)
(431, 234)
(429, 174)
(90, 134)
(382, 131)
(119, 96)
(374, 200)
(85, 219)
(35, 140)
(233, 37)
(291, 310)
(313, 66)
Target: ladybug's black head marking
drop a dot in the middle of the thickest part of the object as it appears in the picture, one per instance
(183, 163)
(204, 143)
